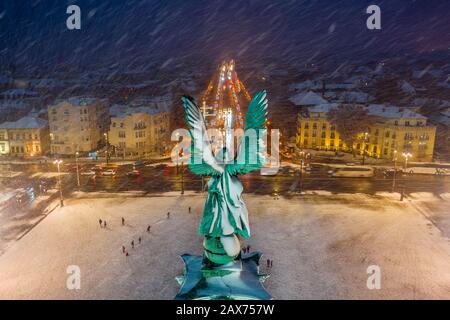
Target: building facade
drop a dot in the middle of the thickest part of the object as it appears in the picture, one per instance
(139, 129)
(78, 124)
(4, 141)
(395, 131)
(26, 137)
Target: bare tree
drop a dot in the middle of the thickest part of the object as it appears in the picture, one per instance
(351, 121)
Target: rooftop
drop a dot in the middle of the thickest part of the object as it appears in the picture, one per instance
(25, 123)
(122, 111)
(386, 111)
(380, 110)
(307, 98)
(79, 101)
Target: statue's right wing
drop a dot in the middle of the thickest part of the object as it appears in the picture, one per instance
(202, 161)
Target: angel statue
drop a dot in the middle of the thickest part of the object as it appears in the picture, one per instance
(225, 217)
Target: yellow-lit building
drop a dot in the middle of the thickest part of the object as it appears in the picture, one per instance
(77, 124)
(395, 131)
(139, 129)
(4, 141)
(26, 137)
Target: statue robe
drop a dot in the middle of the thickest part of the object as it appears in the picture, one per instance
(225, 212)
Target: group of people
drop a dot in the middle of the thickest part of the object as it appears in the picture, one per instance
(269, 262)
(103, 224)
(246, 249)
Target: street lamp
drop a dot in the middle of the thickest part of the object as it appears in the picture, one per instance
(107, 147)
(182, 172)
(364, 147)
(58, 162)
(395, 170)
(303, 157)
(78, 171)
(406, 155)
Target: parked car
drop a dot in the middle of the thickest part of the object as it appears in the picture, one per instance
(140, 163)
(389, 173)
(88, 173)
(133, 174)
(109, 172)
(353, 171)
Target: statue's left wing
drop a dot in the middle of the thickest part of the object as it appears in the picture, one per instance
(251, 149)
(202, 161)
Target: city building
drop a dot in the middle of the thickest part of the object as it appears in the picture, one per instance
(4, 141)
(78, 124)
(140, 128)
(28, 136)
(395, 131)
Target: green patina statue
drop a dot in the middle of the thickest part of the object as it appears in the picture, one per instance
(225, 217)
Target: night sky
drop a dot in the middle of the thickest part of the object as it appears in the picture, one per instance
(138, 34)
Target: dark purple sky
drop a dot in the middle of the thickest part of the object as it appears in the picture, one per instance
(136, 34)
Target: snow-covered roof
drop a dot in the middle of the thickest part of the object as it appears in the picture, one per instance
(122, 111)
(79, 101)
(334, 86)
(25, 123)
(380, 110)
(407, 87)
(355, 96)
(14, 104)
(307, 99)
(324, 107)
(386, 111)
(308, 84)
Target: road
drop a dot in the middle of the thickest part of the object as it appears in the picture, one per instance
(158, 178)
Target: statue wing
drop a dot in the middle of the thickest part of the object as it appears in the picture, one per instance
(202, 161)
(250, 155)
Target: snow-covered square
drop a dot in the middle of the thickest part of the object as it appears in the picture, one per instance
(321, 244)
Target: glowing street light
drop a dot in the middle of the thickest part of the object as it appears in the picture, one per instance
(78, 171)
(303, 156)
(364, 147)
(395, 170)
(58, 163)
(406, 155)
(107, 146)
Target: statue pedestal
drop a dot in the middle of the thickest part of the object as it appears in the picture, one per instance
(237, 280)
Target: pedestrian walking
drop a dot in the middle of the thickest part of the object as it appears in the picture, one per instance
(139, 240)
(168, 215)
(268, 263)
(148, 228)
(100, 222)
(132, 244)
(248, 249)
(123, 221)
(271, 264)
(104, 224)
(189, 209)
(123, 249)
